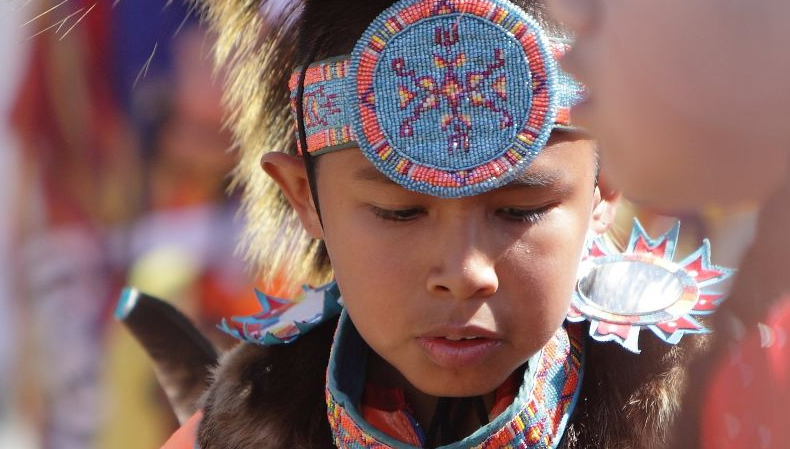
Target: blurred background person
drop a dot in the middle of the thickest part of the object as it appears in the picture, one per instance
(14, 432)
(688, 99)
(120, 177)
(76, 165)
(686, 117)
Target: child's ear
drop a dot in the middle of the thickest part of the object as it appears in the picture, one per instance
(289, 173)
(606, 201)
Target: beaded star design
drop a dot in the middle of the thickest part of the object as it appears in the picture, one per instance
(453, 97)
(485, 88)
(643, 287)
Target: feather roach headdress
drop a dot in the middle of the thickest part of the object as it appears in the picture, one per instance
(257, 48)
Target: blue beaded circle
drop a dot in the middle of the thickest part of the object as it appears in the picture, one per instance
(453, 97)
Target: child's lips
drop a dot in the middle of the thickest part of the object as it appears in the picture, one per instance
(450, 352)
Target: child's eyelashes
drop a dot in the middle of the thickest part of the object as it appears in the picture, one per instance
(398, 214)
(524, 215)
(528, 215)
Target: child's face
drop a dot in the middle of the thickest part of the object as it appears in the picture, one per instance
(688, 98)
(417, 271)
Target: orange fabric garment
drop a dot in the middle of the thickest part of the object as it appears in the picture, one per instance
(186, 436)
(386, 409)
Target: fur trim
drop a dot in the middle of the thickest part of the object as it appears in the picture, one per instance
(273, 397)
(268, 397)
(631, 401)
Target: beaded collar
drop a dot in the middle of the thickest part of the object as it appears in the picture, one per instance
(536, 419)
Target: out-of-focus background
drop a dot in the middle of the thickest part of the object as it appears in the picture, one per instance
(113, 170)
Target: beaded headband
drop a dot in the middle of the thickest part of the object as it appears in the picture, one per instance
(446, 97)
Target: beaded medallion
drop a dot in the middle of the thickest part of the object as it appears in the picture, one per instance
(621, 293)
(446, 97)
(536, 419)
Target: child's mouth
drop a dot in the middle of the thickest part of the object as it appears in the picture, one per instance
(458, 352)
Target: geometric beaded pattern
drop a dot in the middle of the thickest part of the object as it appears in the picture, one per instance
(446, 97)
(540, 424)
(326, 116)
(482, 75)
(569, 92)
(327, 121)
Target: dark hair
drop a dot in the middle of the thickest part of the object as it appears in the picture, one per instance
(332, 27)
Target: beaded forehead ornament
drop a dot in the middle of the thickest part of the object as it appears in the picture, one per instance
(446, 97)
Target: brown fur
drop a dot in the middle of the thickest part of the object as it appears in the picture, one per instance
(270, 397)
(273, 397)
(630, 401)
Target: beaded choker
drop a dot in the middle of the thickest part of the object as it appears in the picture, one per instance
(446, 97)
(536, 419)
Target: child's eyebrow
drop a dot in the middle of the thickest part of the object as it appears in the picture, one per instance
(537, 179)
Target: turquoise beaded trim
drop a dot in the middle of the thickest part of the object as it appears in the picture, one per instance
(536, 419)
(282, 321)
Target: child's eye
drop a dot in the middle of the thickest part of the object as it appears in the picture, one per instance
(531, 216)
(398, 214)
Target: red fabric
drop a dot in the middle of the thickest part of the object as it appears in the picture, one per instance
(504, 396)
(186, 436)
(386, 409)
(66, 116)
(748, 400)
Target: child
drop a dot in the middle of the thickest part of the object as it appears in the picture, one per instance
(439, 168)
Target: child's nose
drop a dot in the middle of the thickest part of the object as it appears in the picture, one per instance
(467, 274)
(577, 15)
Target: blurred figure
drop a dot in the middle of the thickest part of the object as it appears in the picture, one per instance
(122, 169)
(182, 247)
(688, 98)
(14, 432)
(77, 177)
(188, 233)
